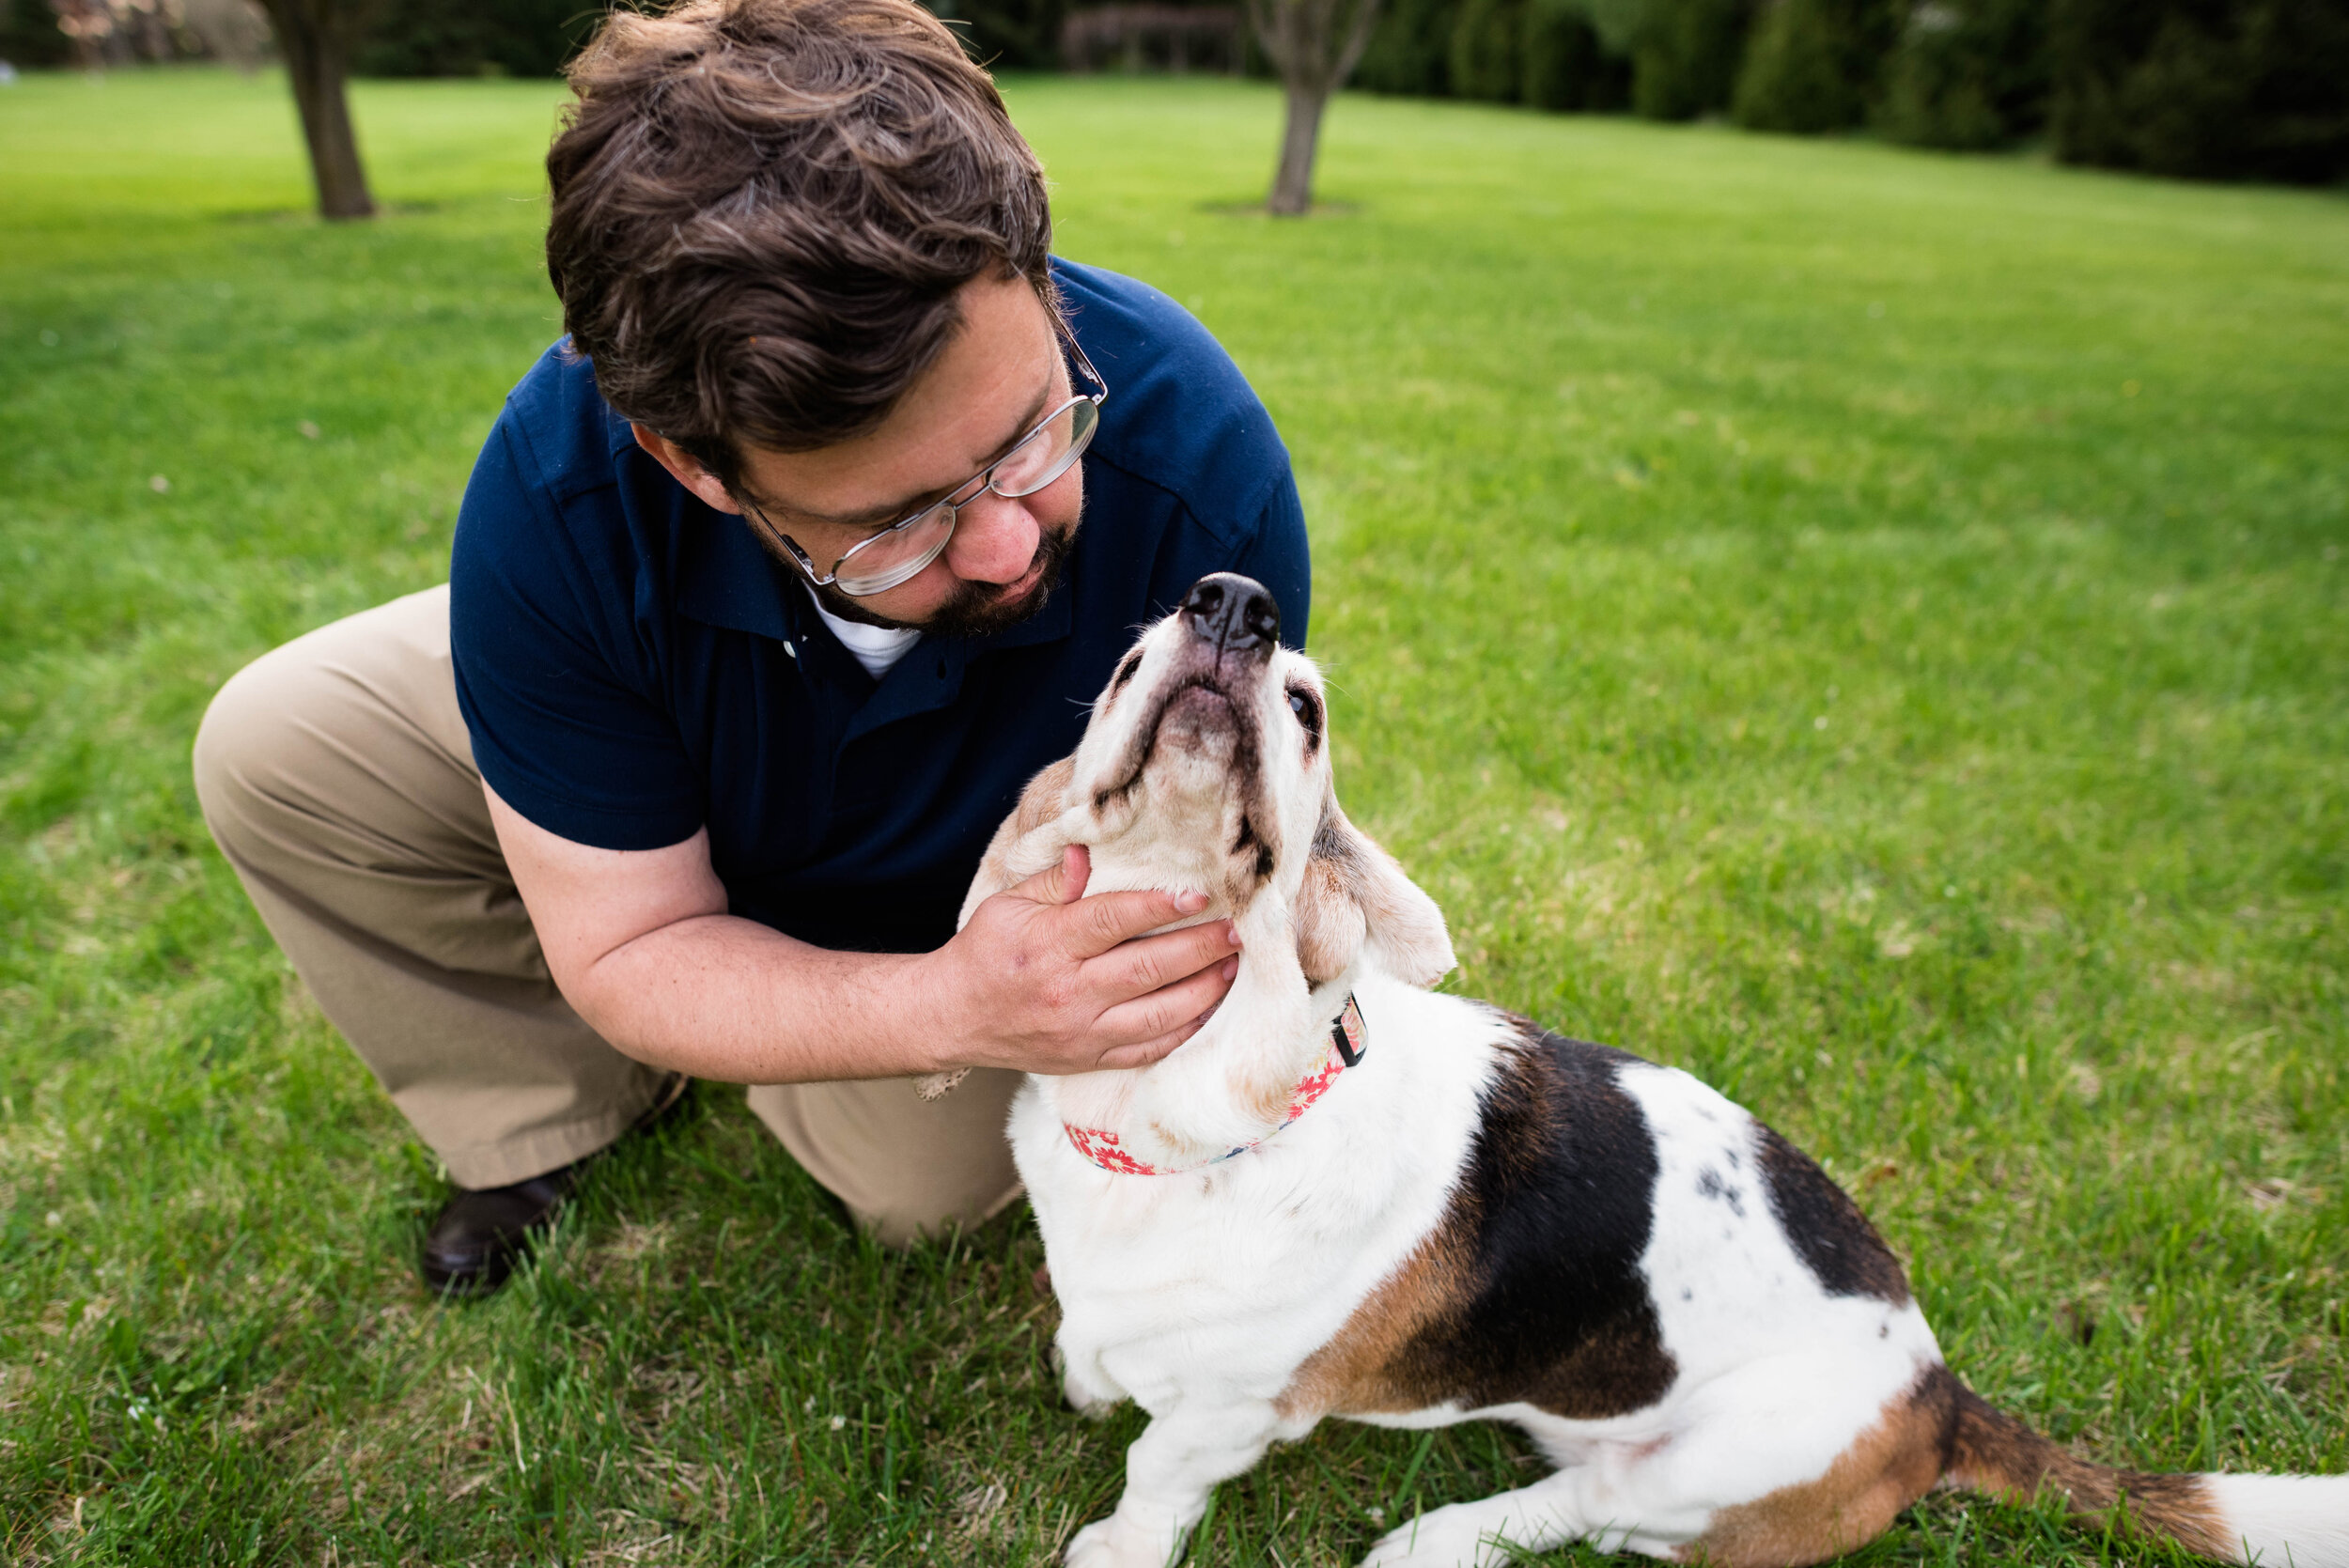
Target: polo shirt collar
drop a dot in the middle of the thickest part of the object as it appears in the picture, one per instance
(727, 578)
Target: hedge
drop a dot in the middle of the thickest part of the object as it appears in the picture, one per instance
(474, 37)
(2203, 88)
(29, 36)
(2211, 89)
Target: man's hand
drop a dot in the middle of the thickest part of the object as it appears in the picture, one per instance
(1048, 980)
(642, 945)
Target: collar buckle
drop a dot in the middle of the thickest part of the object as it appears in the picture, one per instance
(1349, 1034)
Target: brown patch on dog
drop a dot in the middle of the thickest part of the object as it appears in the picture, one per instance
(1619, 1368)
(1267, 1095)
(1044, 799)
(1528, 1289)
(1359, 1371)
(1886, 1468)
(1941, 1433)
(1354, 892)
(1329, 924)
(1185, 1149)
(1989, 1450)
(1403, 920)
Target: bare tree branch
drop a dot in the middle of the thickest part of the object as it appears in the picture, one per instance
(1314, 45)
(1356, 39)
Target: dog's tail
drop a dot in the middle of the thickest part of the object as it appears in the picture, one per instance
(2275, 1521)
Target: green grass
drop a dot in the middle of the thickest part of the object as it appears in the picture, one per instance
(1864, 625)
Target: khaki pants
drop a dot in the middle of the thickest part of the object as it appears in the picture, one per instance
(337, 776)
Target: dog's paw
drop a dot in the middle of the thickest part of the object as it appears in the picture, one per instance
(1091, 1394)
(1113, 1542)
(1088, 1402)
(1432, 1541)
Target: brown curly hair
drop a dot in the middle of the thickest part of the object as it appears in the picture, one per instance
(762, 210)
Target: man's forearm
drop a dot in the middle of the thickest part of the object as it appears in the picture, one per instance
(730, 999)
(1042, 980)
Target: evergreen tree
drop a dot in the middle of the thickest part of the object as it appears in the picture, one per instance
(1968, 74)
(1486, 42)
(2210, 88)
(1567, 66)
(1410, 48)
(1814, 65)
(1685, 56)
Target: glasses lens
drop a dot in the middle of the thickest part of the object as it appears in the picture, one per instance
(885, 560)
(1045, 456)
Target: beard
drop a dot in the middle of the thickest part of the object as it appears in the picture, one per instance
(975, 609)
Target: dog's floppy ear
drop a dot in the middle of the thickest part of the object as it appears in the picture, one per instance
(1046, 798)
(1039, 803)
(1355, 897)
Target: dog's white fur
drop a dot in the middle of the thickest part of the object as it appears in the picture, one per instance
(1203, 1295)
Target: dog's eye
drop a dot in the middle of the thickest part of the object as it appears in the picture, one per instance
(1125, 671)
(1308, 711)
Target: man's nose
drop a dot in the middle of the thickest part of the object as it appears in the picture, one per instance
(1235, 613)
(995, 539)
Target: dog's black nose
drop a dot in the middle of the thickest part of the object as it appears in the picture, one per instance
(1233, 613)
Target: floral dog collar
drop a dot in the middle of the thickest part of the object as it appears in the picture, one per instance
(1349, 1040)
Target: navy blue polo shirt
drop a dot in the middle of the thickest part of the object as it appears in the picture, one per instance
(633, 665)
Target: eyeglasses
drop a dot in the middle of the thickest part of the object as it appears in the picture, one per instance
(893, 555)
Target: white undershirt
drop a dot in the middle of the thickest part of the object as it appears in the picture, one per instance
(875, 647)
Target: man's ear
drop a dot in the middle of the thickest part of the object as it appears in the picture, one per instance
(686, 470)
(1355, 897)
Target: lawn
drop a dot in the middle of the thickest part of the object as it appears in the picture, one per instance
(1864, 625)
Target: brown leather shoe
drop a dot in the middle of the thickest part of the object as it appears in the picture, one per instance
(485, 1232)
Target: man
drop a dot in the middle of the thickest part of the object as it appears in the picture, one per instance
(770, 591)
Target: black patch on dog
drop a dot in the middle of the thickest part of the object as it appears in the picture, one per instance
(1331, 844)
(1247, 840)
(1552, 1215)
(1833, 1238)
(1709, 1185)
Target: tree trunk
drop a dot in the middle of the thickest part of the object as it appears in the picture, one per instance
(1293, 182)
(318, 60)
